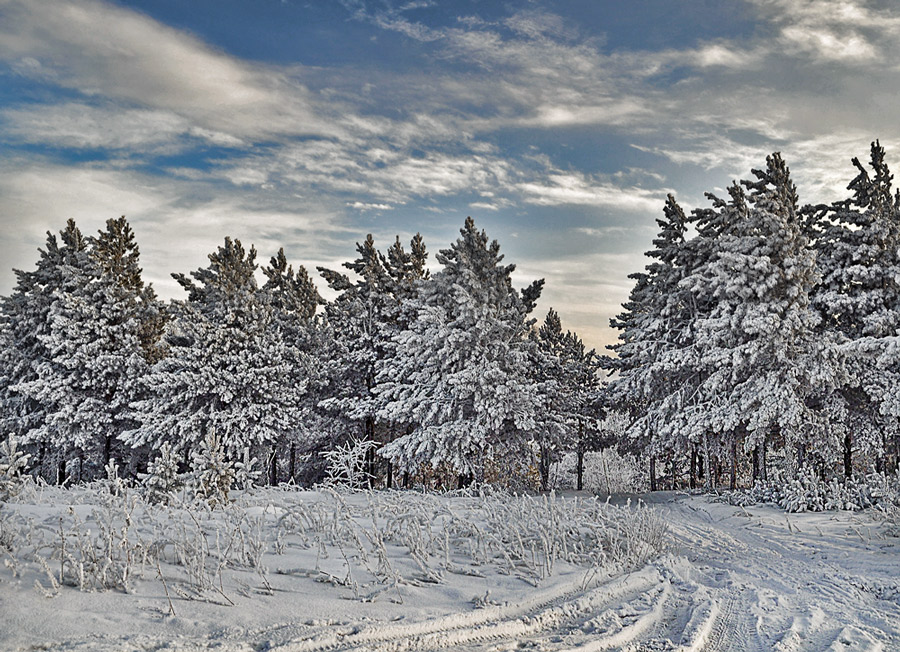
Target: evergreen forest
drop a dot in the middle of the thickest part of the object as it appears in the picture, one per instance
(763, 336)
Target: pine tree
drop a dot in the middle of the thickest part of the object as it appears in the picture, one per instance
(569, 388)
(26, 322)
(858, 245)
(227, 369)
(359, 319)
(294, 301)
(213, 471)
(103, 325)
(654, 365)
(460, 375)
(758, 353)
(162, 479)
(13, 463)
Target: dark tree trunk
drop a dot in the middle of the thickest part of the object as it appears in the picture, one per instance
(693, 478)
(107, 450)
(733, 479)
(759, 462)
(652, 473)
(848, 456)
(579, 468)
(293, 463)
(61, 471)
(273, 466)
(406, 479)
(708, 470)
(390, 475)
(370, 454)
(544, 468)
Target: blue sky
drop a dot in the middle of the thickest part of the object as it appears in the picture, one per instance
(559, 126)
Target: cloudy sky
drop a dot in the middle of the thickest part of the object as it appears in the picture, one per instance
(559, 126)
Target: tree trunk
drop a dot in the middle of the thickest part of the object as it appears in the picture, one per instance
(390, 475)
(707, 461)
(273, 466)
(61, 471)
(293, 462)
(733, 480)
(579, 459)
(406, 479)
(606, 473)
(652, 473)
(693, 478)
(848, 456)
(544, 468)
(759, 462)
(370, 454)
(107, 450)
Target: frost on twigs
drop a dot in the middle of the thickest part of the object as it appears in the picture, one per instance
(12, 468)
(346, 464)
(367, 546)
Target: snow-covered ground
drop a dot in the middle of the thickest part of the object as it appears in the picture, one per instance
(294, 571)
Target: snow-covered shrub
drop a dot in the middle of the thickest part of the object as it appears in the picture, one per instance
(346, 463)
(807, 492)
(115, 483)
(245, 472)
(606, 472)
(162, 480)
(12, 468)
(212, 473)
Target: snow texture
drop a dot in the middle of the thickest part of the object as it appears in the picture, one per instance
(321, 570)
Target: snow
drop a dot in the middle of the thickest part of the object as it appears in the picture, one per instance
(445, 571)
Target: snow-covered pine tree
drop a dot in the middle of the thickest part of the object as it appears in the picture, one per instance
(567, 376)
(460, 375)
(654, 375)
(13, 463)
(857, 241)
(104, 325)
(358, 319)
(227, 368)
(294, 300)
(759, 354)
(212, 471)
(407, 271)
(25, 321)
(162, 479)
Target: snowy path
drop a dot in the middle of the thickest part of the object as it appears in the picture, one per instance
(750, 579)
(753, 579)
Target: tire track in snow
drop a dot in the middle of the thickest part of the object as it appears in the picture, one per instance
(537, 616)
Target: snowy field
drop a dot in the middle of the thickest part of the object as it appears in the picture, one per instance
(321, 570)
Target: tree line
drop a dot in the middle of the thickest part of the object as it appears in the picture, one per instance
(761, 334)
(763, 327)
(447, 372)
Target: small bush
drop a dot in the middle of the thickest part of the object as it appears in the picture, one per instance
(12, 468)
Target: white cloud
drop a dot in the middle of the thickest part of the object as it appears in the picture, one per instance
(363, 206)
(579, 189)
(103, 50)
(78, 125)
(176, 223)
